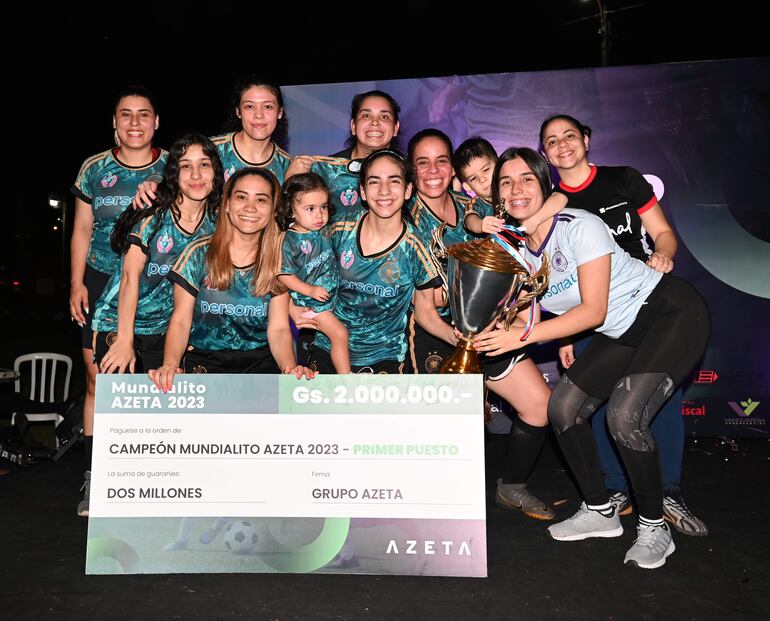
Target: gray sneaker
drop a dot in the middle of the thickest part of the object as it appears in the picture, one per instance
(86, 489)
(585, 524)
(518, 498)
(681, 518)
(653, 544)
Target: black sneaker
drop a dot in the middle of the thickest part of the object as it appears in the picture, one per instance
(622, 504)
(681, 518)
(86, 489)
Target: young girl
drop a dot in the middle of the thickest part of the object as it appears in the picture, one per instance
(308, 266)
(132, 315)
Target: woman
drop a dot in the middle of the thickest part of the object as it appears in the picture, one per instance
(383, 265)
(132, 315)
(515, 378)
(373, 125)
(103, 190)
(652, 331)
(256, 125)
(626, 203)
(230, 312)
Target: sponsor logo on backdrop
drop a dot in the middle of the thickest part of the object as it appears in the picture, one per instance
(705, 377)
(744, 410)
(690, 408)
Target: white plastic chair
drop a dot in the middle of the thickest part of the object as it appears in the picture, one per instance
(42, 384)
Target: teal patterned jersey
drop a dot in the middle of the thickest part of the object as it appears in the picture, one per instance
(162, 240)
(109, 185)
(232, 161)
(309, 257)
(341, 177)
(426, 222)
(375, 292)
(233, 319)
(480, 207)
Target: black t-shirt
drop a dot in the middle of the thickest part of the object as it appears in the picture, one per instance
(618, 195)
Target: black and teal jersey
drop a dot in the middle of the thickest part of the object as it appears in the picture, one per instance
(341, 177)
(232, 160)
(426, 221)
(375, 292)
(233, 319)
(309, 257)
(109, 185)
(480, 207)
(162, 240)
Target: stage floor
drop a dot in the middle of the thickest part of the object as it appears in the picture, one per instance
(530, 575)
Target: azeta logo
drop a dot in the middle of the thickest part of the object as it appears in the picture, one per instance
(745, 408)
(429, 547)
(689, 408)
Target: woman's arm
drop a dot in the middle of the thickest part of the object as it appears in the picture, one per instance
(427, 317)
(177, 338)
(663, 238)
(594, 285)
(121, 354)
(280, 340)
(82, 229)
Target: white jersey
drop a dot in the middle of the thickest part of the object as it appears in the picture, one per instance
(577, 237)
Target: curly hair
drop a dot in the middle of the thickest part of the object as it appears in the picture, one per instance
(293, 187)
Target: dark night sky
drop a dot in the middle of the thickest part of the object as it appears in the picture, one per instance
(62, 65)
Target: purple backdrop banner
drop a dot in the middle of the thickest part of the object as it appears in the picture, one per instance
(697, 131)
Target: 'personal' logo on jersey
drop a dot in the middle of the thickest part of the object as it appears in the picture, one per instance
(559, 261)
(305, 246)
(558, 287)
(109, 181)
(229, 172)
(349, 197)
(346, 259)
(165, 243)
(390, 272)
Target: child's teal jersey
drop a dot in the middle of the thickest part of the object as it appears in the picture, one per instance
(309, 257)
(161, 240)
(109, 185)
(233, 161)
(427, 222)
(341, 177)
(480, 207)
(375, 292)
(233, 319)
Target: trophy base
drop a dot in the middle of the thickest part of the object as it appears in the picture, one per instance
(464, 359)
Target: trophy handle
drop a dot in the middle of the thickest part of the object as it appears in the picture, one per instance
(538, 282)
(438, 251)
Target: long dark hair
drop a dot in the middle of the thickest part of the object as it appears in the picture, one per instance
(536, 163)
(292, 188)
(233, 123)
(583, 130)
(403, 164)
(168, 192)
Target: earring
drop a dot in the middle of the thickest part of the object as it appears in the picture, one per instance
(227, 210)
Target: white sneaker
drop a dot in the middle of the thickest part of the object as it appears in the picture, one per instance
(587, 523)
(653, 544)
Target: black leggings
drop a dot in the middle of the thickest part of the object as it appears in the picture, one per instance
(637, 372)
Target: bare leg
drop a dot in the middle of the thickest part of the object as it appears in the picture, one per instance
(338, 335)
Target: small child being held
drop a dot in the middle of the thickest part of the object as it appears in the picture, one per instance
(308, 265)
(474, 163)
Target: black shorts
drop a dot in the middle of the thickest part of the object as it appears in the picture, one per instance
(95, 281)
(258, 360)
(148, 349)
(321, 361)
(427, 353)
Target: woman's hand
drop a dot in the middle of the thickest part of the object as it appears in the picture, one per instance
(79, 303)
(660, 262)
(499, 341)
(145, 194)
(567, 355)
(299, 371)
(119, 358)
(164, 376)
(300, 316)
(300, 164)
